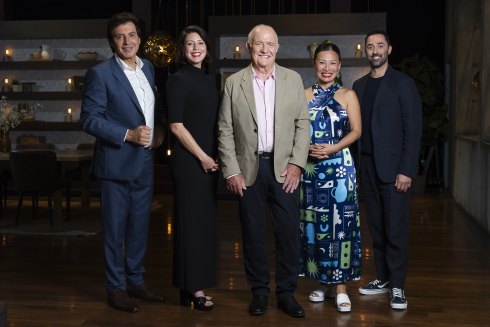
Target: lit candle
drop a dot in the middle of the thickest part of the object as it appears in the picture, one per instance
(358, 53)
(69, 115)
(236, 53)
(69, 84)
(6, 85)
(8, 55)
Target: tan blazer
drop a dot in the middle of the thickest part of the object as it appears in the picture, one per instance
(238, 129)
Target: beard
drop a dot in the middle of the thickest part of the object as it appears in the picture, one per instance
(376, 63)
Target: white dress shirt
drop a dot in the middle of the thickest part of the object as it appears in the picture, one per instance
(143, 91)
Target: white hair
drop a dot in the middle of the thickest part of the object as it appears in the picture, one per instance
(257, 27)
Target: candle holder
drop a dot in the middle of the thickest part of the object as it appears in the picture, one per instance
(236, 53)
(358, 52)
(8, 55)
(68, 115)
(69, 84)
(6, 87)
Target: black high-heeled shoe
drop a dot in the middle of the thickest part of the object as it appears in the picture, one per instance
(186, 298)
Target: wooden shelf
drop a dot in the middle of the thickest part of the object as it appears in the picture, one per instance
(36, 125)
(46, 65)
(53, 29)
(43, 95)
(240, 63)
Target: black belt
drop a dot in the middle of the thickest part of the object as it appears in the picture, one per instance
(266, 155)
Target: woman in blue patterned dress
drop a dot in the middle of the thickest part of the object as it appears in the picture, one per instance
(329, 208)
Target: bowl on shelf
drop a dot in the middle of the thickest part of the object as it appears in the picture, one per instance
(87, 55)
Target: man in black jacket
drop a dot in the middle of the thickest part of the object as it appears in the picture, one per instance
(391, 132)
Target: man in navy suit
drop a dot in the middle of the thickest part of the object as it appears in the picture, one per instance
(391, 132)
(118, 108)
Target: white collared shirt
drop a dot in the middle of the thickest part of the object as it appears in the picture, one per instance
(265, 96)
(142, 89)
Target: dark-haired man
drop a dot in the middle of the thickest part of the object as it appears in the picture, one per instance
(391, 131)
(118, 108)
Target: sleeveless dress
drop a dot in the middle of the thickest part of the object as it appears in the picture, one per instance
(329, 211)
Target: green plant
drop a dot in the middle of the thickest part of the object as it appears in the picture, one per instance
(430, 84)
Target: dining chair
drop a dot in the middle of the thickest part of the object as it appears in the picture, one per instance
(86, 146)
(30, 139)
(36, 173)
(75, 174)
(23, 142)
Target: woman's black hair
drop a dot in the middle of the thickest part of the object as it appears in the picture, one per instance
(327, 46)
(204, 36)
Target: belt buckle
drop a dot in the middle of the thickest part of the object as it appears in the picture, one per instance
(265, 155)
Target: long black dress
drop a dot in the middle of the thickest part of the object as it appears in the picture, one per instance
(193, 100)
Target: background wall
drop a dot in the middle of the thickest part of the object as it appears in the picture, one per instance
(468, 56)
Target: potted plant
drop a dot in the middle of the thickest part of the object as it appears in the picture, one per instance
(430, 84)
(9, 118)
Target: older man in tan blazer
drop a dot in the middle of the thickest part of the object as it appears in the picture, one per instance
(263, 147)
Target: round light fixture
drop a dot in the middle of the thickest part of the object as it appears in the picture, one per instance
(161, 49)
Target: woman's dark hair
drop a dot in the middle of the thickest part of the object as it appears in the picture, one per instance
(327, 46)
(204, 36)
(387, 38)
(120, 19)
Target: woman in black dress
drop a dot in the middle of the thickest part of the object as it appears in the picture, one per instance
(192, 111)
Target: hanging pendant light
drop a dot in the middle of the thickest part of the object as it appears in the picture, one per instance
(160, 46)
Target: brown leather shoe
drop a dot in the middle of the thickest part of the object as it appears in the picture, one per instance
(120, 300)
(141, 292)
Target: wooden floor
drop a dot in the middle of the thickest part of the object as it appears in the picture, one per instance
(58, 281)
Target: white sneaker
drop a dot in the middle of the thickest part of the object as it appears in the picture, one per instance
(398, 299)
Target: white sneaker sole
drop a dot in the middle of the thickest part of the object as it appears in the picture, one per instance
(398, 306)
(374, 292)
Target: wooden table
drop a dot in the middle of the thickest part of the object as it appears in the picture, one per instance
(70, 159)
(61, 155)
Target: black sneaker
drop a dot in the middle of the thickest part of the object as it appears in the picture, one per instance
(398, 300)
(374, 287)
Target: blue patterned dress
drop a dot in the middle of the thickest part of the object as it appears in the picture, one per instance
(331, 240)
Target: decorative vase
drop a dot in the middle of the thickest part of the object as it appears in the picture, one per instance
(312, 47)
(5, 143)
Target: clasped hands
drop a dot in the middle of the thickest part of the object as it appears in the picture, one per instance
(209, 165)
(321, 151)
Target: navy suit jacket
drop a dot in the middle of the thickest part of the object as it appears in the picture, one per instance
(109, 108)
(396, 124)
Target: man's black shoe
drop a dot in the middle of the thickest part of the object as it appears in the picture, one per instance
(290, 306)
(258, 305)
(142, 293)
(120, 300)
